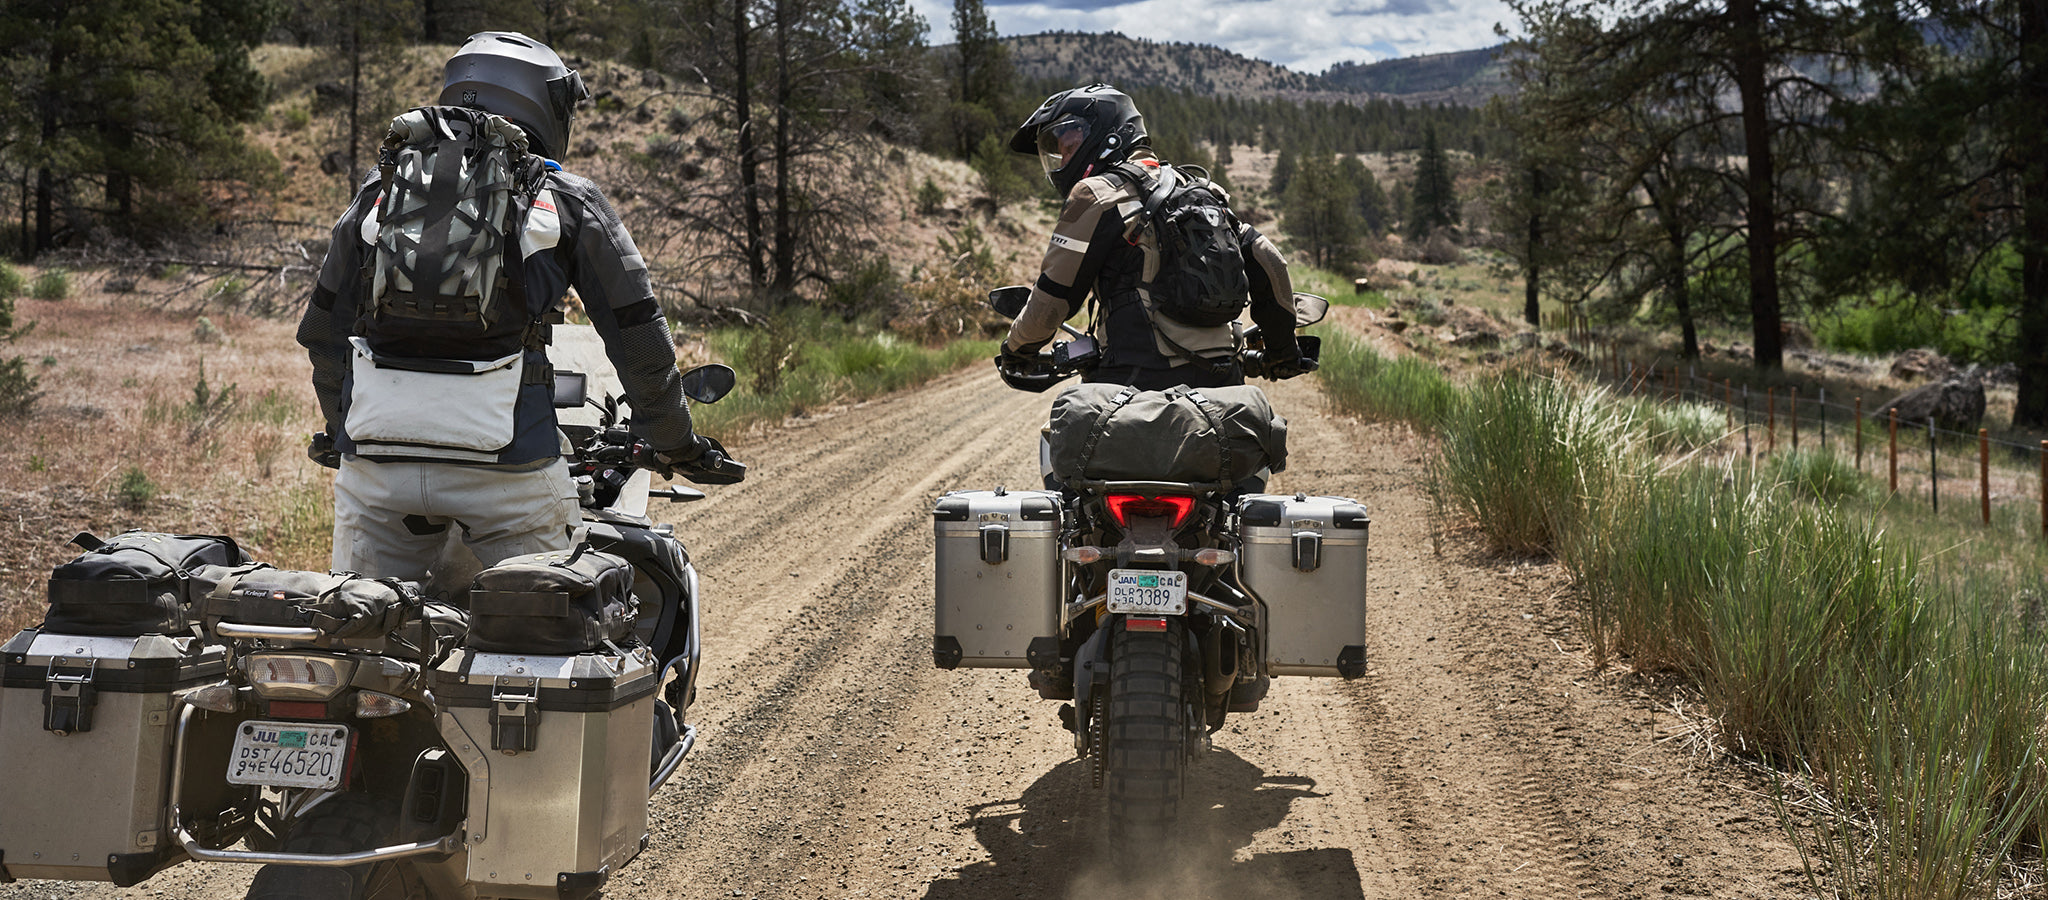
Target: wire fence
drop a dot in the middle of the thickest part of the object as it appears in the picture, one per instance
(1917, 461)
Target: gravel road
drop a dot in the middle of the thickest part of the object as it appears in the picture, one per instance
(1482, 756)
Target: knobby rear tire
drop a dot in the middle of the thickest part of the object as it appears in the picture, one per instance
(344, 823)
(1148, 733)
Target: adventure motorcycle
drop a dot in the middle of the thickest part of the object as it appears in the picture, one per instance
(382, 760)
(1156, 601)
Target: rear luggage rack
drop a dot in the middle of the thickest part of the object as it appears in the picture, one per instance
(1150, 488)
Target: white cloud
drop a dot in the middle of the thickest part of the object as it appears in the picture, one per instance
(1306, 36)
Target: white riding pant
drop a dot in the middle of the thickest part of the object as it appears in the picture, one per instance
(391, 518)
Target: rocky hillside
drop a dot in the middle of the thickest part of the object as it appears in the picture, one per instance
(1465, 78)
(1116, 59)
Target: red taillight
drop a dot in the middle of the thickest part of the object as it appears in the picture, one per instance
(1144, 624)
(1124, 506)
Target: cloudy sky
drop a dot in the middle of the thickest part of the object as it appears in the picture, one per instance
(1306, 36)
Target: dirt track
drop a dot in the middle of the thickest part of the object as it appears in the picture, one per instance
(1481, 756)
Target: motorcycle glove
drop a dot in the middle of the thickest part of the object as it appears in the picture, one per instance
(322, 451)
(1278, 369)
(703, 461)
(713, 466)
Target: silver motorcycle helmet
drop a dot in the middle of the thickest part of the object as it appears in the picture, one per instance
(515, 76)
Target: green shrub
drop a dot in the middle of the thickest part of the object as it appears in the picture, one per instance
(1524, 457)
(930, 197)
(802, 360)
(1679, 427)
(1359, 380)
(53, 284)
(135, 490)
(1818, 476)
(11, 282)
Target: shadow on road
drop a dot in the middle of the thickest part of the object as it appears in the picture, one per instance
(1050, 843)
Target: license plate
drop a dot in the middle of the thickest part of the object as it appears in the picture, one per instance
(289, 754)
(1148, 591)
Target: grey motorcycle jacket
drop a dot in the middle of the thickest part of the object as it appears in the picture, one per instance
(1101, 244)
(573, 238)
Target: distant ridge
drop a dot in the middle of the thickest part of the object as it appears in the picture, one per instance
(1464, 78)
(1081, 58)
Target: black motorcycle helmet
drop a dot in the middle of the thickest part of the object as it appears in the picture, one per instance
(1080, 132)
(517, 77)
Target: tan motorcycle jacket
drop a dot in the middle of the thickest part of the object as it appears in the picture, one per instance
(1103, 244)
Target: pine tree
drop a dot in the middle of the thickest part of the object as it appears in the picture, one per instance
(1322, 213)
(126, 114)
(1435, 200)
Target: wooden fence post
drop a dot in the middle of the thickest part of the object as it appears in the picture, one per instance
(1770, 420)
(2044, 488)
(1895, 450)
(1823, 420)
(1859, 434)
(1933, 468)
(1984, 470)
(1728, 399)
(1795, 418)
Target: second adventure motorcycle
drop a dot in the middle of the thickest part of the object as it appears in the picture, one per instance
(1152, 586)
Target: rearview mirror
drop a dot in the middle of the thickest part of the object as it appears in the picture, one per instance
(1309, 309)
(1009, 301)
(571, 389)
(709, 383)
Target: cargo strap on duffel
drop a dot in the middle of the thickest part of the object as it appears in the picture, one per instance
(1213, 416)
(538, 604)
(1101, 429)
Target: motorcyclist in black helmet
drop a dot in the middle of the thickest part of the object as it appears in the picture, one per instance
(393, 504)
(1103, 244)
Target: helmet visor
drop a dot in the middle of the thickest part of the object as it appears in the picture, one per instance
(1058, 142)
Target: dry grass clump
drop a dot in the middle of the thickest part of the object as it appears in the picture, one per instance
(149, 421)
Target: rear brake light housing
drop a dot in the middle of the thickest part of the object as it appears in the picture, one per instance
(1123, 507)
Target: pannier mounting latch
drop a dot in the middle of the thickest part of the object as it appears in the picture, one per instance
(68, 700)
(995, 538)
(515, 714)
(1308, 546)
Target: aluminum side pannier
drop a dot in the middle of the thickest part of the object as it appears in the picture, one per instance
(1305, 557)
(998, 581)
(565, 741)
(85, 742)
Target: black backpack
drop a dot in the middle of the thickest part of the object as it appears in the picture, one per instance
(1201, 279)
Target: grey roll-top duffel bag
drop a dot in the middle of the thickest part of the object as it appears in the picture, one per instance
(135, 583)
(1109, 432)
(559, 602)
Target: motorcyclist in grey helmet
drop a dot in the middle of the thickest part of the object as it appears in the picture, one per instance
(393, 504)
(1101, 244)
